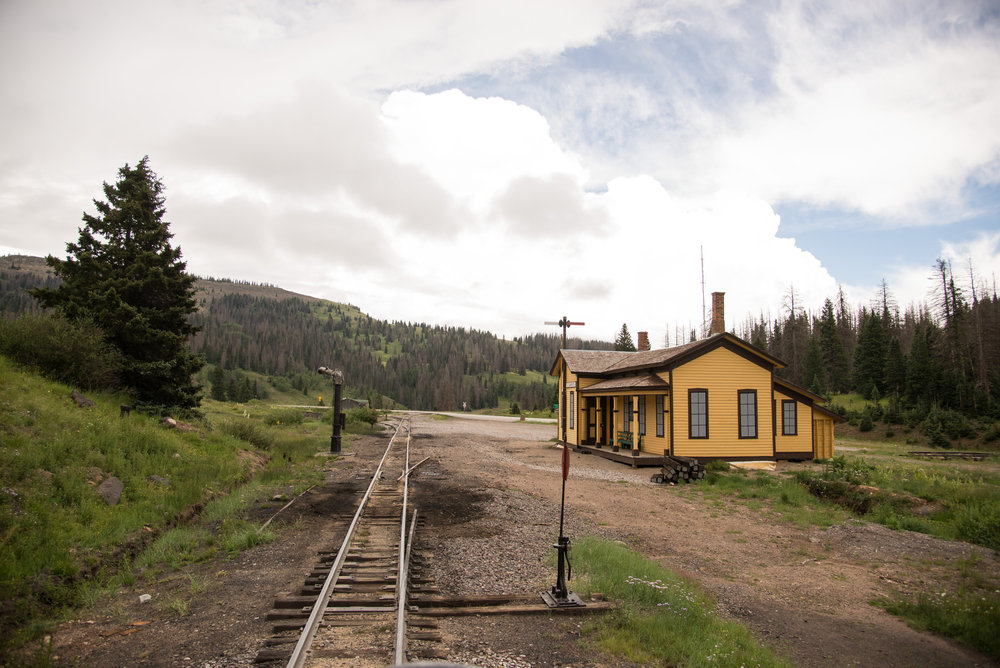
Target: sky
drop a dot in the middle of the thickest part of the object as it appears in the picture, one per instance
(497, 164)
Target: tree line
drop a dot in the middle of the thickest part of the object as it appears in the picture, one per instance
(945, 354)
(415, 365)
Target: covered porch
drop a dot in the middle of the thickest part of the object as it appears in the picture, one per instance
(615, 419)
(635, 458)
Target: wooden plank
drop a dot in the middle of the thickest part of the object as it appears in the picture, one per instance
(533, 609)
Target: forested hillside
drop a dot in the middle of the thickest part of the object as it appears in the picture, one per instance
(938, 360)
(933, 360)
(286, 336)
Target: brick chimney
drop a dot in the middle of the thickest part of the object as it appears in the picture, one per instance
(718, 313)
(643, 341)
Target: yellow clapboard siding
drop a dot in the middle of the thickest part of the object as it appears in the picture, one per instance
(723, 373)
(823, 436)
(803, 441)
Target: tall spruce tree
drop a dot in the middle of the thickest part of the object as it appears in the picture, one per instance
(832, 346)
(870, 355)
(624, 341)
(124, 275)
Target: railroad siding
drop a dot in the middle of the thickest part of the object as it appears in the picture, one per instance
(723, 373)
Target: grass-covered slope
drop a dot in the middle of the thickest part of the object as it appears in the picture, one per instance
(58, 536)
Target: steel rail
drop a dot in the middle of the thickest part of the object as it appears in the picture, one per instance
(300, 653)
(401, 610)
(401, 574)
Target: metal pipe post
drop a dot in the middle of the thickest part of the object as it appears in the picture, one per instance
(335, 438)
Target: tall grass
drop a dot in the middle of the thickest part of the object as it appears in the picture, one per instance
(955, 504)
(662, 619)
(970, 618)
(59, 539)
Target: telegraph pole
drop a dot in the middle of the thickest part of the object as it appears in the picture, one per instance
(563, 408)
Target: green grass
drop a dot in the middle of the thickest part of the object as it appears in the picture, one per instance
(61, 545)
(955, 504)
(785, 497)
(972, 618)
(662, 619)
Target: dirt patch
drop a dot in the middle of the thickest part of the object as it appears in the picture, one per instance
(489, 496)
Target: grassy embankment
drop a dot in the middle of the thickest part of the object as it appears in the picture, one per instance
(880, 482)
(185, 499)
(662, 619)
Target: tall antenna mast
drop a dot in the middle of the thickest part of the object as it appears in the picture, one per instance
(703, 312)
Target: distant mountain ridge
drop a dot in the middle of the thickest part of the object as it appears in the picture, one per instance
(279, 333)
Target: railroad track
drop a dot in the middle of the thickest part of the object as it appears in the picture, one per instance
(359, 606)
(353, 604)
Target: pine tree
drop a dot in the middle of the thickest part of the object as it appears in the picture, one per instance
(217, 379)
(832, 346)
(812, 368)
(624, 340)
(870, 355)
(125, 276)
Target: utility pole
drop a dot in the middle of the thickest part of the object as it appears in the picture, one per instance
(563, 408)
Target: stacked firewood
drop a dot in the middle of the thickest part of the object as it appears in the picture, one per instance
(677, 469)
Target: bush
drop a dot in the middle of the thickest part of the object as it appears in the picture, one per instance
(932, 429)
(72, 352)
(866, 423)
(249, 431)
(955, 425)
(992, 434)
(284, 416)
(979, 522)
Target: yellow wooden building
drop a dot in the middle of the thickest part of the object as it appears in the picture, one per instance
(717, 398)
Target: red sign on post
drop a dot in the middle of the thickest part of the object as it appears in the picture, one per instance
(565, 462)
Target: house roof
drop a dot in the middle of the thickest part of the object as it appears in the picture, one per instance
(645, 381)
(796, 389)
(607, 362)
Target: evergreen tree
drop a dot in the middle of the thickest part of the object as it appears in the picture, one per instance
(624, 340)
(812, 368)
(895, 369)
(922, 375)
(870, 355)
(125, 276)
(832, 347)
(217, 379)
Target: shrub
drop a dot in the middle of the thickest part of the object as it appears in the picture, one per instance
(866, 422)
(515, 409)
(992, 434)
(932, 429)
(955, 425)
(248, 431)
(979, 522)
(73, 352)
(284, 416)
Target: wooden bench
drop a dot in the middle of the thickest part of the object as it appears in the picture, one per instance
(625, 438)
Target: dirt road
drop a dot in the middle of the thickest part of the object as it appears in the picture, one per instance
(490, 493)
